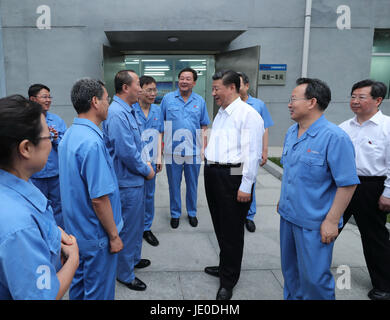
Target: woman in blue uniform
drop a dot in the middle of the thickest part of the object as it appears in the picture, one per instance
(37, 259)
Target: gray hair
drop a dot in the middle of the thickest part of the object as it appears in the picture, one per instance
(83, 91)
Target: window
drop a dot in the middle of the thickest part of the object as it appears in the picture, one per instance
(380, 59)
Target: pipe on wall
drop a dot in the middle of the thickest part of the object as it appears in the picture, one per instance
(306, 38)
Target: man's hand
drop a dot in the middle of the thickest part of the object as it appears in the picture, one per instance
(152, 173)
(384, 204)
(54, 132)
(243, 196)
(329, 231)
(264, 158)
(116, 244)
(70, 251)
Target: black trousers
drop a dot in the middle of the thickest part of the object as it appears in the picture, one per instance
(371, 222)
(228, 216)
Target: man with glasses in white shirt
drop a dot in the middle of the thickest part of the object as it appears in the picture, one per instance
(369, 131)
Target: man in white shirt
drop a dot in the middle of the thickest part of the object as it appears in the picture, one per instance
(369, 131)
(232, 159)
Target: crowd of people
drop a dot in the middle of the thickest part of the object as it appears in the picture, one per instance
(77, 202)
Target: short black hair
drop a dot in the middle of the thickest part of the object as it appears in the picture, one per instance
(228, 77)
(121, 78)
(378, 89)
(83, 91)
(244, 77)
(35, 88)
(146, 80)
(194, 73)
(316, 89)
(20, 119)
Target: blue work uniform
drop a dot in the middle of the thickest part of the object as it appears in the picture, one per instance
(182, 146)
(30, 242)
(122, 136)
(151, 127)
(47, 179)
(261, 108)
(314, 166)
(86, 173)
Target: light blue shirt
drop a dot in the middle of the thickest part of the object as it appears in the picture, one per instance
(314, 166)
(30, 242)
(86, 173)
(122, 136)
(151, 127)
(190, 115)
(261, 108)
(51, 167)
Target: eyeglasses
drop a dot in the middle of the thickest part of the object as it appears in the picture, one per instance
(149, 91)
(291, 100)
(45, 97)
(51, 138)
(353, 97)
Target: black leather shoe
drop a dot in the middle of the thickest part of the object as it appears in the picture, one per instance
(376, 294)
(250, 225)
(150, 238)
(212, 271)
(136, 284)
(193, 221)
(175, 222)
(143, 263)
(224, 294)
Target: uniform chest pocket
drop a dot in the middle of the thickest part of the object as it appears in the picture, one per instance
(173, 112)
(312, 169)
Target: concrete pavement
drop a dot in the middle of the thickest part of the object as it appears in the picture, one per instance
(176, 272)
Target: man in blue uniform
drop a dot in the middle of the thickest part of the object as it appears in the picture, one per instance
(122, 137)
(47, 179)
(90, 194)
(261, 108)
(186, 119)
(149, 115)
(319, 180)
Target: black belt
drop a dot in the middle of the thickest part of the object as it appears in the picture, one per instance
(372, 178)
(222, 165)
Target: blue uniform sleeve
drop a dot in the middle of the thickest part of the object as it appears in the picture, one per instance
(163, 112)
(96, 172)
(26, 266)
(266, 116)
(204, 121)
(60, 126)
(122, 139)
(341, 160)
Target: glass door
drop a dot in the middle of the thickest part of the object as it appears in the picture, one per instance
(165, 70)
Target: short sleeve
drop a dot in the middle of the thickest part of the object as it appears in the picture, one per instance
(341, 160)
(25, 263)
(96, 172)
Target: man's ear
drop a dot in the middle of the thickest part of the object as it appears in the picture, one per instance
(94, 102)
(313, 103)
(25, 149)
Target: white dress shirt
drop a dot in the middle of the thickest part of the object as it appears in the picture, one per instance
(371, 140)
(236, 137)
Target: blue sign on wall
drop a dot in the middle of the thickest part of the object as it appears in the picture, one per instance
(273, 67)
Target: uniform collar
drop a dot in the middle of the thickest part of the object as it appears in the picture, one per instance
(26, 189)
(124, 104)
(314, 128)
(178, 95)
(88, 123)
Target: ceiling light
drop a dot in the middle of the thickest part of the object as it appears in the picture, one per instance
(173, 39)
